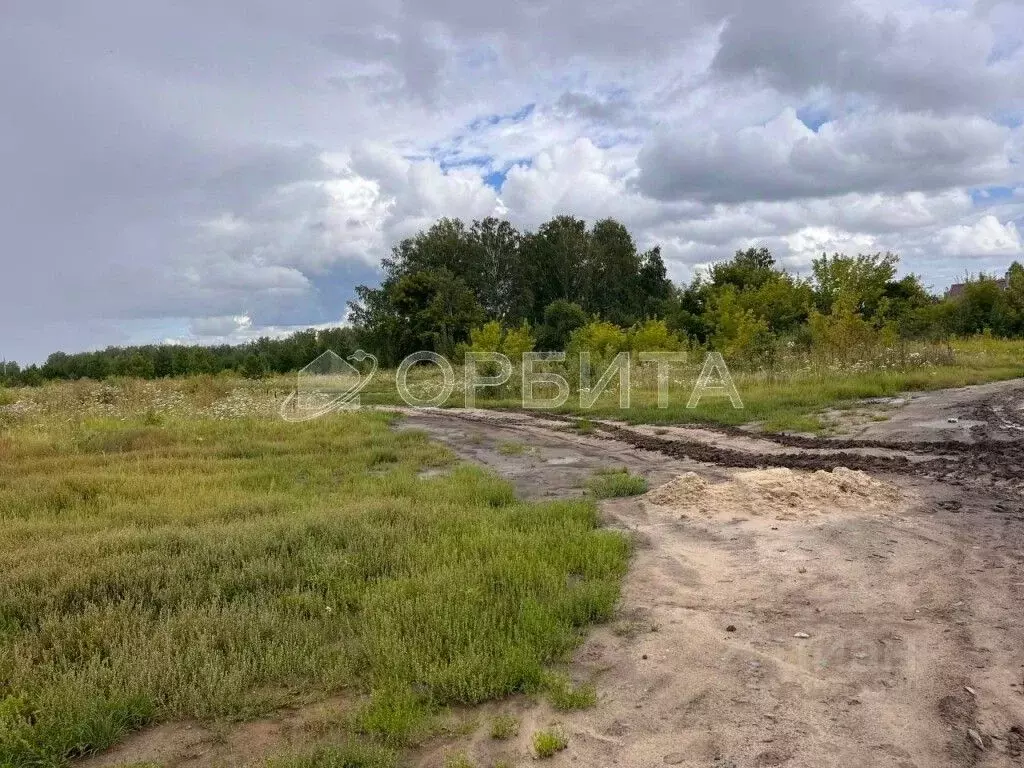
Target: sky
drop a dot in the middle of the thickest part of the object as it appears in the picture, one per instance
(215, 170)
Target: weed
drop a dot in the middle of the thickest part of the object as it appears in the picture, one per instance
(613, 484)
(547, 743)
(353, 755)
(504, 727)
(512, 449)
(458, 760)
(564, 696)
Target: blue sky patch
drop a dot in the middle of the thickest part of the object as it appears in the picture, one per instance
(989, 195)
(812, 116)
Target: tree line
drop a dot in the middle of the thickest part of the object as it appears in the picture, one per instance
(549, 285)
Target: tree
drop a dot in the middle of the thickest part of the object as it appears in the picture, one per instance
(982, 307)
(655, 287)
(862, 279)
(613, 274)
(749, 269)
(561, 318)
(437, 308)
(554, 261)
(254, 366)
(503, 287)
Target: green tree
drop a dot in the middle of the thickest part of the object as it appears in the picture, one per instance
(561, 318)
(613, 274)
(862, 280)
(254, 366)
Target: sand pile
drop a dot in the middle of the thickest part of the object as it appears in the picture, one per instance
(779, 492)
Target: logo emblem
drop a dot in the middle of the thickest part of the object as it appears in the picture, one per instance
(327, 384)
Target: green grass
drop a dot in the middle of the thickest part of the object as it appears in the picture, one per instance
(584, 426)
(614, 483)
(564, 696)
(547, 743)
(791, 397)
(352, 755)
(221, 569)
(459, 760)
(504, 727)
(512, 448)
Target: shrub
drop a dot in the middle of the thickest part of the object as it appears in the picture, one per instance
(654, 336)
(564, 696)
(504, 727)
(547, 743)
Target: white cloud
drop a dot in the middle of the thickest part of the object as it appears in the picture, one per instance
(220, 326)
(810, 242)
(986, 237)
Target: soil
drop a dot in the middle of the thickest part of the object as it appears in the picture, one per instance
(792, 601)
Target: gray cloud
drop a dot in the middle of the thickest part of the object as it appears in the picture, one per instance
(882, 152)
(941, 59)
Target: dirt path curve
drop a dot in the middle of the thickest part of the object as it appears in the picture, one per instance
(914, 648)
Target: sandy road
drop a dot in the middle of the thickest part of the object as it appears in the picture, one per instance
(914, 647)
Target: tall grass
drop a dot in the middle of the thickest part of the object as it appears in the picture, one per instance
(196, 568)
(790, 395)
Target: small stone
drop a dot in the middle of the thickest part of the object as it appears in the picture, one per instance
(976, 738)
(731, 628)
(802, 636)
(644, 657)
(801, 569)
(673, 758)
(971, 691)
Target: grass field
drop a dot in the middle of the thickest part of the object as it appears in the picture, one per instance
(172, 550)
(168, 561)
(794, 396)
(791, 397)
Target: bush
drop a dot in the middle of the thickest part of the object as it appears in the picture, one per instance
(504, 727)
(565, 697)
(602, 340)
(654, 336)
(547, 743)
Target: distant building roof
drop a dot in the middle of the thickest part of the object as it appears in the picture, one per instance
(957, 289)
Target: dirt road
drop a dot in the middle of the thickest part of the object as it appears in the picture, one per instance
(876, 627)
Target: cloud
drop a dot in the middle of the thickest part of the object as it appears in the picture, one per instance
(913, 57)
(173, 167)
(784, 159)
(986, 237)
(220, 326)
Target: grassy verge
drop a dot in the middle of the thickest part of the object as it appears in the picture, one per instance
(792, 397)
(160, 567)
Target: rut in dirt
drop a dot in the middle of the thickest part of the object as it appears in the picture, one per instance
(986, 460)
